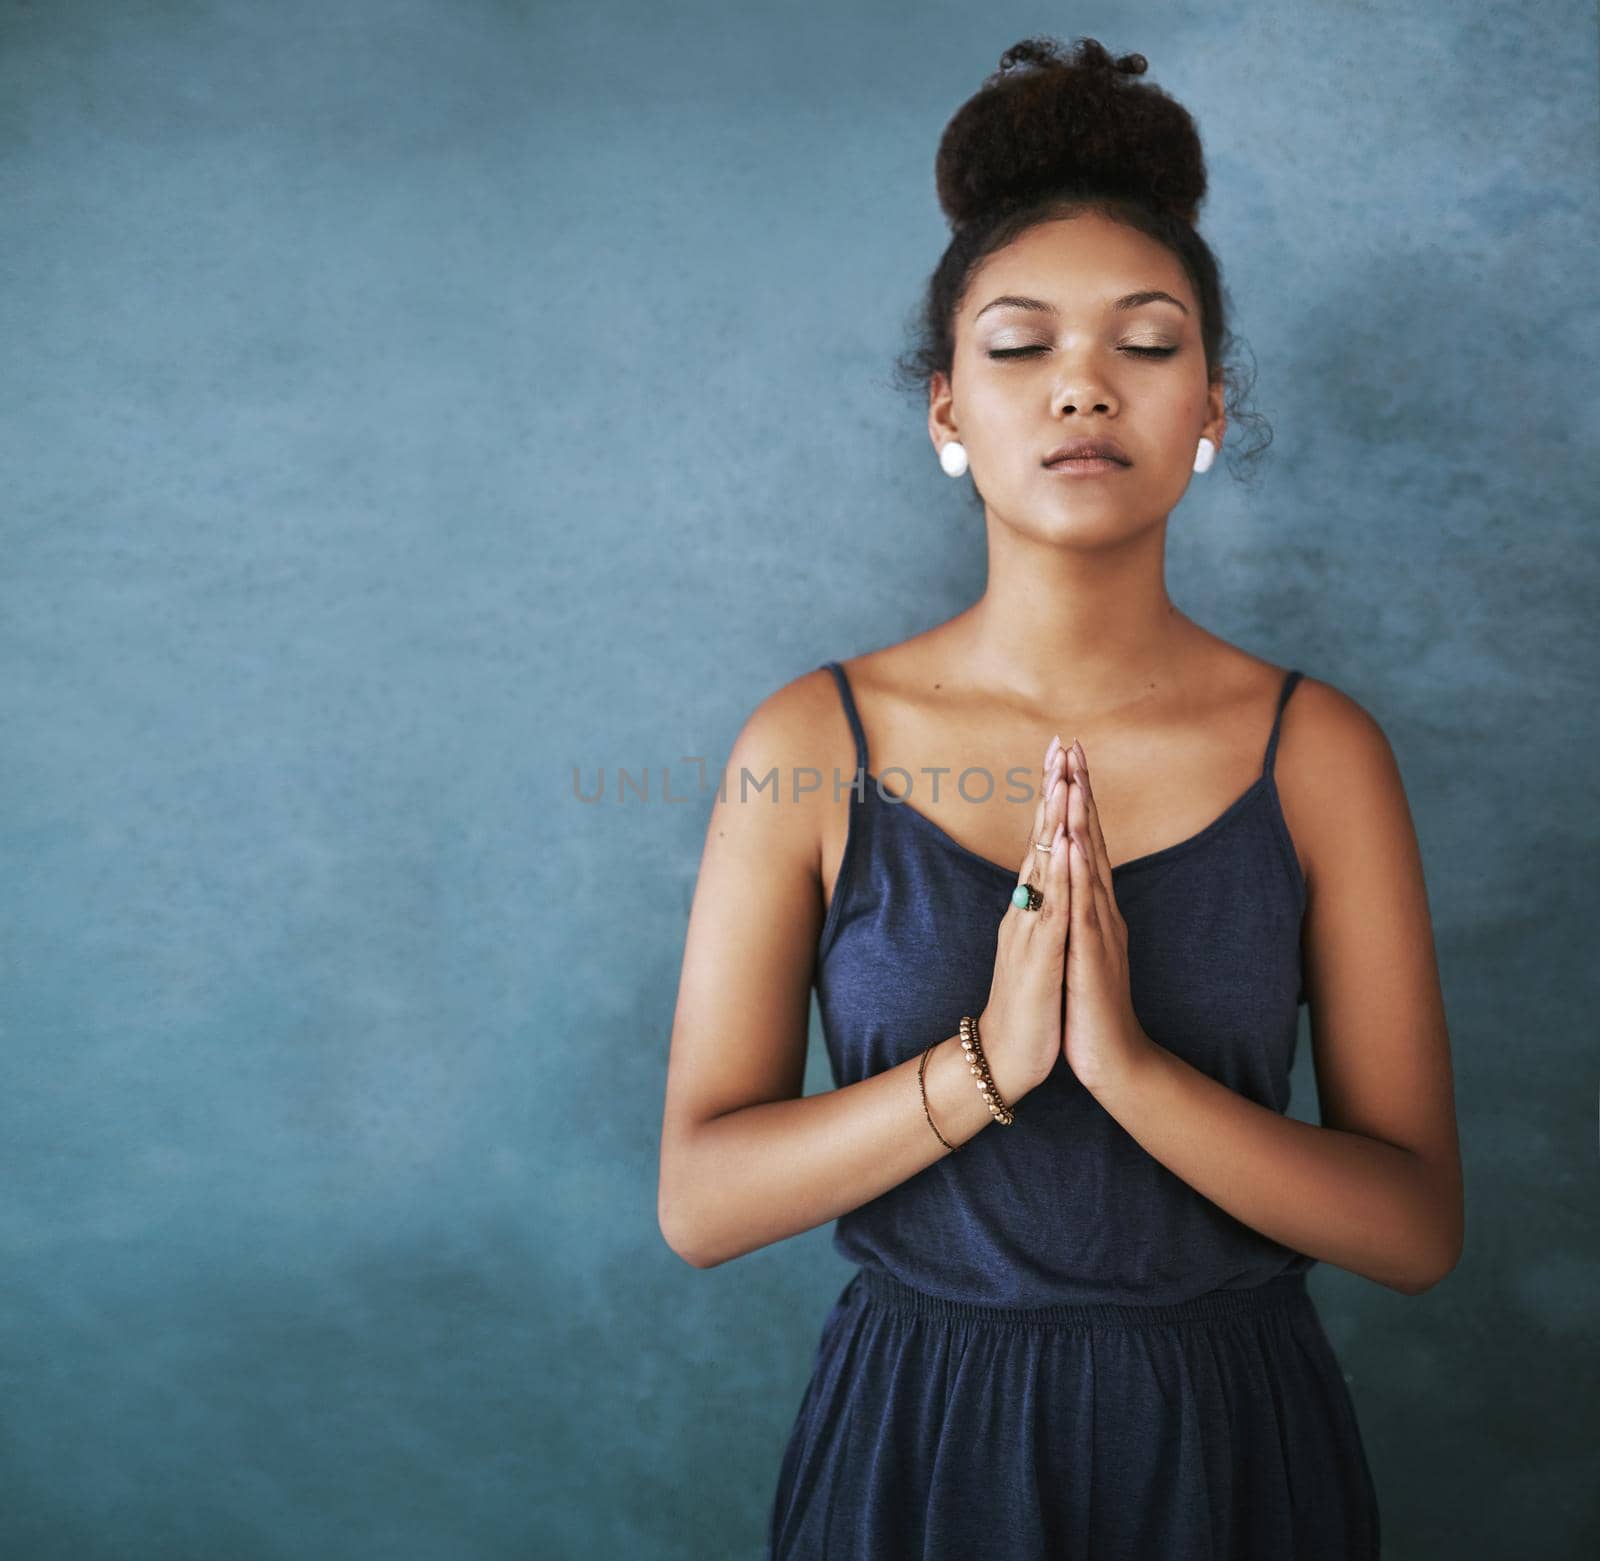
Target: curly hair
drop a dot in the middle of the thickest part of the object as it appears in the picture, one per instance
(1070, 131)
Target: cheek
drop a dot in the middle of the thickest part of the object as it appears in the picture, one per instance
(988, 404)
(1197, 400)
(1175, 419)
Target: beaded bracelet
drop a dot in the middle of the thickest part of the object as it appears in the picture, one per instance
(979, 1066)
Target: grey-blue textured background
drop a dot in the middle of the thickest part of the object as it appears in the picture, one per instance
(407, 405)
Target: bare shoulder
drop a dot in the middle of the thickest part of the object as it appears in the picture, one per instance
(779, 771)
(899, 669)
(1338, 779)
(1329, 741)
(906, 683)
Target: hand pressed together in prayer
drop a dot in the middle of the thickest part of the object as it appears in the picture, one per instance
(1101, 1036)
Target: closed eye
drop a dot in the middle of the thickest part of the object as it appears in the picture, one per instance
(1022, 352)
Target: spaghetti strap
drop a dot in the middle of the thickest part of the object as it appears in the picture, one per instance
(1290, 679)
(850, 710)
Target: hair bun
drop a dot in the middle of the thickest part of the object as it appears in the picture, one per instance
(1054, 118)
(1092, 55)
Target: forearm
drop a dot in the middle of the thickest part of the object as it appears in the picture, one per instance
(1371, 1207)
(756, 1175)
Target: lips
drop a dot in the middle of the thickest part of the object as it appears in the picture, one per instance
(1088, 450)
(1085, 466)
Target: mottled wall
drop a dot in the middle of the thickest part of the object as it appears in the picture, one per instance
(407, 403)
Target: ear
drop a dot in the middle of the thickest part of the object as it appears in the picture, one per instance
(1216, 413)
(941, 409)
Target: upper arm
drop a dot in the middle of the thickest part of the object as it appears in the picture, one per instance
(744, 995)
(1381, 1050)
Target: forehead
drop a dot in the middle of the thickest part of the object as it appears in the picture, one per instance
(1075, 263)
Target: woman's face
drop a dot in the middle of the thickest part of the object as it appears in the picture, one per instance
(1028, 378)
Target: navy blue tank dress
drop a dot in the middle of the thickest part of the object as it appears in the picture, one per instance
(1053, 1346)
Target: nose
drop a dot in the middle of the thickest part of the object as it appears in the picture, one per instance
(1083, 395)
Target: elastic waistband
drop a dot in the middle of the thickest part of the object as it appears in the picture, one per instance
(1284, 1290)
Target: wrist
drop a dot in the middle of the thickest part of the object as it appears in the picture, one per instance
(1122, 1073)
(954, 1100)
(1013, 1077)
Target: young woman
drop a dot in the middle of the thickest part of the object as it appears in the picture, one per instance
(1062, 1028)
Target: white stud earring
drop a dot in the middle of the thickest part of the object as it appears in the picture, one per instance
(1204, 456)
(953, 457)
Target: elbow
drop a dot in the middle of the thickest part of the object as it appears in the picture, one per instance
(671, 1227)
(1436, 1247)
(682, 1208)
(688, 1257)
(681, 1248)
(1441, 1270)
(677, 1231)
(1442, 1259)
(692, 1258)
(1420, 1284)
(683, 1245)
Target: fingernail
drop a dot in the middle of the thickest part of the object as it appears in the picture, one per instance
(1050, 752)
(1056, 845)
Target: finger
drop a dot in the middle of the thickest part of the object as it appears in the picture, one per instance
(1058, 879)
(1055, 816)
(1031, 870)
(1099, 854)
(1083, 878)
(1053, 806)
(1102, 898)
(1028, 853)
(1054, 868)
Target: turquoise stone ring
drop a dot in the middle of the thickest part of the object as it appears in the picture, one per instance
(1026, 898)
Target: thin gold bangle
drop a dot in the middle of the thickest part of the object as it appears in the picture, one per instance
(922, 1068)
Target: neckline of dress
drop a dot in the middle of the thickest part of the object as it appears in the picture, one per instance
(1149, 859)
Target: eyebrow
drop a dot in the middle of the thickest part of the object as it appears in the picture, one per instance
(1039, 306)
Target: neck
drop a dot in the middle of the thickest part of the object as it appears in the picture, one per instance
(1084, 617)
